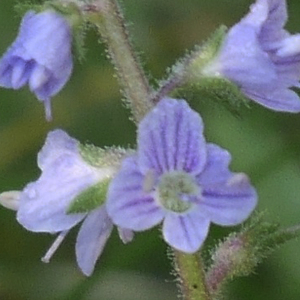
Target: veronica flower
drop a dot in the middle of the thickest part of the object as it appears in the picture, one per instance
(44, 203)
(178, 179)
(261, 57)
(40, 56)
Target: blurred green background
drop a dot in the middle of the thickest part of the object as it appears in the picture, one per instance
(264, 144)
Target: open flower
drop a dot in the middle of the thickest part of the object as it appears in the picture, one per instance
(177, 178)
(261, 57)
(44, 203)
(40, 56)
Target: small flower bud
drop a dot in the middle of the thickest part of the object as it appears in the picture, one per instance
(40, 56)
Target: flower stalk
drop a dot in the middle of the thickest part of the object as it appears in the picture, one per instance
(135, 87)
(191, 274)
(240, 253)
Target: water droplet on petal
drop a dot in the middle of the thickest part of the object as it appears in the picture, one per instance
(31, 193)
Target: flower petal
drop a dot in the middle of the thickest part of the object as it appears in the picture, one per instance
(229, 203)
(46, 38)
(57, 143)
(44, 203)
(11, 59)
(257, 15)
(243, 61)
(91, 239)
(276, 99)
(272, 29)
(170, 138)
(41, 56)
(128, 204)
(216, 168)
(126, 235)
(185, 233)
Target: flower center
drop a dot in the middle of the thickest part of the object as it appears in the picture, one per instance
(177, 191)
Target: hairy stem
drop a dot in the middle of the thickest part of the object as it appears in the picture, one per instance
(167, 87)
(134, 84)
(191, 274)
(239, 254)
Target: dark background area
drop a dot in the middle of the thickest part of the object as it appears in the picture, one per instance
(264, 144)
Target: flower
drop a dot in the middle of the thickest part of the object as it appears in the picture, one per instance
(43, 204)
(40, 56)
(177, 178)
(261, 57)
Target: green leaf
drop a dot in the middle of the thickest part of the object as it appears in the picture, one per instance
(90, 199)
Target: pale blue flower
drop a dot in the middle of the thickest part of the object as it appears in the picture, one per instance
(44, 203)
(40, 56)
(261, 57)
(178, 179)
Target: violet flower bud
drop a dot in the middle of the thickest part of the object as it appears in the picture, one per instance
(40, 56)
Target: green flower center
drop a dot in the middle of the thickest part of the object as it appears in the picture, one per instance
(177, 190)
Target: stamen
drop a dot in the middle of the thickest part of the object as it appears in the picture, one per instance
(54, 246)
(178, 191)
(48, 111)
(149, 181)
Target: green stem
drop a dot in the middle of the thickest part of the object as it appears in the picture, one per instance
(134, 84)
(192, 276)
(106, 15)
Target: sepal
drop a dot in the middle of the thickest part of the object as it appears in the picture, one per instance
(219, 90)
(103, 157)
(205, 54)
(240, 253)
(108, 160)
(90, 199)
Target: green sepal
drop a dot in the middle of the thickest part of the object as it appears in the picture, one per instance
(215, 89)
(205, 53)
(90, 199)
(103, 158)
(22, 7)
(186, 78)
(189, 68)
(264, 237)
(79, 33)
(64, 8)
(95, 196)
(240, 253)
